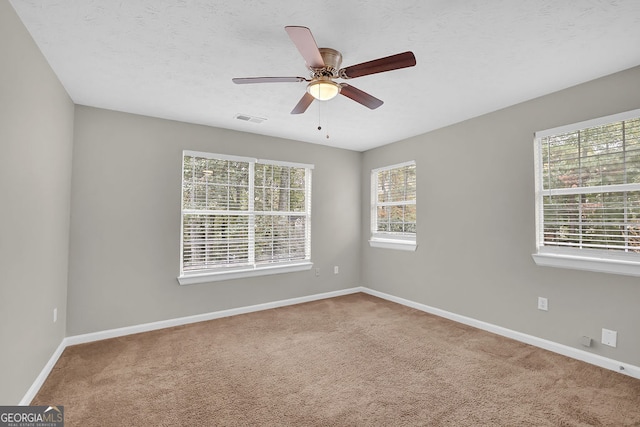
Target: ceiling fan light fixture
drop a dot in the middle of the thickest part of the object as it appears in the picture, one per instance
(323, 90)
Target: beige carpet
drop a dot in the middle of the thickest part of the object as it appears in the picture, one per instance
(350, 361)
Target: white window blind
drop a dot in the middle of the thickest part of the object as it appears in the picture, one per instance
(588, 186)
(243, 213)
(393, 207)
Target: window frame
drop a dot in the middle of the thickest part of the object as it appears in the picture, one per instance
(390, 240)
(587, 259)
(242, 271)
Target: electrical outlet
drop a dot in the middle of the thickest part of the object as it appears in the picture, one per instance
(55, 315)
(543, 304)
(336, 270)
(317, 272)
(609, 337)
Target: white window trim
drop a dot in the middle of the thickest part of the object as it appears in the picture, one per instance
(388, 240)
(613, 262)
(594, 261)
(194, 278)
(190, 278)
(401, 245)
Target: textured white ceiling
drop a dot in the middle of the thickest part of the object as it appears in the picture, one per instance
(175, 58)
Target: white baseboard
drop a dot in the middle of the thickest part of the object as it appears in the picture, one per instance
(594, 359)
(145, 327)
(40, 379)
(565, 350)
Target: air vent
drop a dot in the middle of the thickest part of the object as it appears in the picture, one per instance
(248, 118)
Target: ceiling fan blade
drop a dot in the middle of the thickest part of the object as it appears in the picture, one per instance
(388, 63)
(306, 44)
(359, 96)
(248, 80)
(303, 104)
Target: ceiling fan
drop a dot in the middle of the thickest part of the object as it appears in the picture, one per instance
(324, 64)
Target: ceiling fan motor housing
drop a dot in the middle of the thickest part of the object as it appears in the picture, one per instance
(332, 61)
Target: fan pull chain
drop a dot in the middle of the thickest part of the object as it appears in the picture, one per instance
(320, 119)
(326, 122)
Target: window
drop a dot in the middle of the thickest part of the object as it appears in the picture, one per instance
(243, 217)
(588, 195)
(393, 207)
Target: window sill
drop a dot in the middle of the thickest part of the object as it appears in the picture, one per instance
(401, 245)
(588, 263)
(191, 279)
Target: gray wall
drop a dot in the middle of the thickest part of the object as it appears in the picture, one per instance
(36, 125)
(476, 229)
(115, 264)
(125, 228)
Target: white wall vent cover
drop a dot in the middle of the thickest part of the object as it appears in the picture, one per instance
(248, 118)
